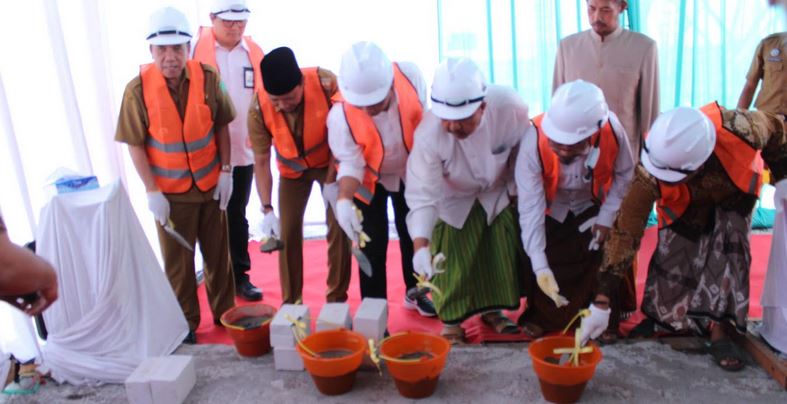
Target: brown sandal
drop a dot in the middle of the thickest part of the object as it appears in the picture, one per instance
(455, 334)
(532, 330)
(500, 323)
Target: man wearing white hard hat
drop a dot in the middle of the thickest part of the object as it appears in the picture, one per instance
(371, 134)
(174, 119)
(237, 58)
(573, 170)
(702, 168)
(460, 185)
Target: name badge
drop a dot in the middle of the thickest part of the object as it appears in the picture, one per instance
(774, 59)
(248, 77)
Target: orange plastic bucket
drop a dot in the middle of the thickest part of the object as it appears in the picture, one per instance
(416, 379)
(335, 375)
(562, 383)
(249, 329)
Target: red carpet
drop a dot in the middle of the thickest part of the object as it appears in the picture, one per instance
(265, 274)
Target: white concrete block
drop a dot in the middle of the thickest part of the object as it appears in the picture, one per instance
(160, 380)
(285, 358)
(281, 328)
(333, 316)
(371, 318)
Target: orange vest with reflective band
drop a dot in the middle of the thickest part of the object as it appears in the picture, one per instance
(742, 163)
(315, 139)
(180, 152)
(205, 52)
(602, 174)
(367, 136)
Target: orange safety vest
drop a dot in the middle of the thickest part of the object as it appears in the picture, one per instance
(205, 52)
(742, 163)
(315, 140)
(180, 152)
(365, 133)
(602, 174)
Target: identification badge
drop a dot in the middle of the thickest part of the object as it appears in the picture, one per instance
(774, 59)
(248, 77)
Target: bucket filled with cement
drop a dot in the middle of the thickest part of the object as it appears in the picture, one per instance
(561, 379)
(332, 358)
(415, 360)
(249, 328)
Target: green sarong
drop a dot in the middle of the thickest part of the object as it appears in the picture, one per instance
(482, 265)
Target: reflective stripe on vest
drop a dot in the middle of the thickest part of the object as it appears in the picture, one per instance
(205, 52)
(366, 135)
(742, 163)
(316, 153)
(603, 173)
(180, 152)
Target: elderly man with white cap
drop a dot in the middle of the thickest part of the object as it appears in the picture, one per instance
(174, 119)
(460, 187)
(371, 134)
(237, 58)
(573, 170)
(702, 169)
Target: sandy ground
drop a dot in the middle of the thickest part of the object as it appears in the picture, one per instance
(639, 372)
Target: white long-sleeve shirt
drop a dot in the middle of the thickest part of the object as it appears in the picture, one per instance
(235, 68)
(573, 191)
(349, 154)
(445, 175)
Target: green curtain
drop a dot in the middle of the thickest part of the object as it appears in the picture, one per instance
(705, 46)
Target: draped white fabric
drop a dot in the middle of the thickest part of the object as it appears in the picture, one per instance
(774, 300)
(116, 306)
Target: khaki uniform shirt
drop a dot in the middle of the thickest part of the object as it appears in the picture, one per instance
(768, 65)
(261, 138)
(625, 66)
(133, 121)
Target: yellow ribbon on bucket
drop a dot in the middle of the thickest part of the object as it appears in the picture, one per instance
(578, 348)
(299, 333)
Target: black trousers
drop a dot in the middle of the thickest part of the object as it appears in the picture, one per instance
(237, 224)
(375, 224)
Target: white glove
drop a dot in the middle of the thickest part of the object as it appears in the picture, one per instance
(270, 225)
(546, 281)
(159, 205)
(330, 193)
(594, 324)
(780, 195)
(348, 219)
(223, 190)
(422, 262)
(594, 243)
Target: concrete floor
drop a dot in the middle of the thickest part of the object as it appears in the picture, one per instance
(638, 372)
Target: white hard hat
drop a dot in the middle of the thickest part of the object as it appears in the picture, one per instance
(678, 143)
(458, 89)
(578, 111)
(365, 75)
(168, 26)
(230, 10)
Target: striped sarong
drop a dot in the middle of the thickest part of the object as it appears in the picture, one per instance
(482, 265)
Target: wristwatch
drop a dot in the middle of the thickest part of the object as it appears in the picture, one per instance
(226, 168)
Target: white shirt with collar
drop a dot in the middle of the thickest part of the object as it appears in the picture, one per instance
(573, 191)
(349, 154)
(446, 175)
(232, 64)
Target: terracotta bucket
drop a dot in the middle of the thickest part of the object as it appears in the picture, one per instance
(333, 375)
(562, 383)
(416, 378)
(249, 327)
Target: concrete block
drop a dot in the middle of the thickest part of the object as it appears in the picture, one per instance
(285, 358)
(281, 328)
(160, 380)
(371, 318)
(333, 316)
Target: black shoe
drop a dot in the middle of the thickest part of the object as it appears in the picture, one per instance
(248, 292)
(420, 302)
(190, 339)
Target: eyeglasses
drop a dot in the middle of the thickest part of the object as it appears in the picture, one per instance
(168, 32)
(460, 104)
(677, 170)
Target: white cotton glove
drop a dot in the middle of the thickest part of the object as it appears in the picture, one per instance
(546, 281)
(594, 324)
(159, 205)
(270, 225)
(780, 195)
(330, 194)
(223, 190)
(348, 219)
(422, 262)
